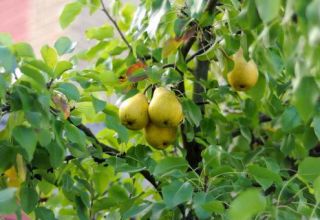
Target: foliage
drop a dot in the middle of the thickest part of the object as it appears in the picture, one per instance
(239, 154)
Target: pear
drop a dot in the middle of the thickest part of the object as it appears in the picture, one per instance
(133, 112)
(159, 137)
(165, 109)
(244, 75)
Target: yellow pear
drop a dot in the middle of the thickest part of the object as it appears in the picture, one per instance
(165, 109)
(133, 112)
(16, 174)
(159, 137)
(244, 75)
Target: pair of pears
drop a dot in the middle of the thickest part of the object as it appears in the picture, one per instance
(244, 74)
(159, 119)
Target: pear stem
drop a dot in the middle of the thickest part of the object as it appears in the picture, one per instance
(148, 87)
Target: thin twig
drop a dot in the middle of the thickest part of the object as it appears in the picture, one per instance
(104, 9)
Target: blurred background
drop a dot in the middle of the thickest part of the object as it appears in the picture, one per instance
(37, 22)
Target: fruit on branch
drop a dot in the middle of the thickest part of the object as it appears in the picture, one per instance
(165, 109)
(160, 137)
(244, 74)
(133, 112)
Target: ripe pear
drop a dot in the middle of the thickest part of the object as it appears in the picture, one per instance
(133, 112)
(159, 137)
(244, 75)
(165, 109)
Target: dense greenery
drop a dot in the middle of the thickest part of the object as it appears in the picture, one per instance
(239, 155)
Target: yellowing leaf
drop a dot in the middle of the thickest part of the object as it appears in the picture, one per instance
(171, 46)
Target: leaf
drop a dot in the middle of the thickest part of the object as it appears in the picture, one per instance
(43, 213)
(136, 72)
(7, 59)
(27, 139)
(171, 46)
(177, 193)
(316, 186)
(137, 210)
(248, 17)
(74, 134)
(69, 13)
(24, 50)
(5, 39)
(305, 97)
(61, 67)
(268, 10)
(264, 176)
(69, 90)
(309, 169)
(316, 126)
(113, 123)
(7, 155)
(290, 119)
(288, 144)
(34, 74)
(204, 207)
(247, 204)
(61, 103)
(49, 55)
(8, 199)
(29, 198)
(100, 33)
(56, 153)
(192, 112)
(98, 104)
(155, 18)
(169, 164)
(64, 45)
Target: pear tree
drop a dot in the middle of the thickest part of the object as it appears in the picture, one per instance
(184, 109)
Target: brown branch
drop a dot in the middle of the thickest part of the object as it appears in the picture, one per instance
(104, 9)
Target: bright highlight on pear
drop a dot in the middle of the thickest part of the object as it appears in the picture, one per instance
(159, 137)
(133, 112)
(165, 109)
(244, 74)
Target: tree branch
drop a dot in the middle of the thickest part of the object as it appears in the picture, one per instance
(107, 150)
(104, 9)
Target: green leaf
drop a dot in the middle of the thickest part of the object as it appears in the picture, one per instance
(156, 17)
(27, 139)
(290, 119)
(44, 137)
(69, 13)
(169, 164)
(100, 33)
(136, 210)
(264, 176)
(43, 213)
(248, 17)
(70, 90)
(56, 152)
(309, 169)
(316, 126)
(288, 144)
(61, 67)
(204, 207)
(177, 193)
(74, 134)
(29, 198)
(24, 50)
(64, 45)
(34, 74)
(316, 186)
(7, 59)
(247, 204)
(118, 194)
(113, 123)
(49, 55)
(268, 10)
(192, 112)
(7, 155)
(305, 97)
(98, 104)
(8, 204)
